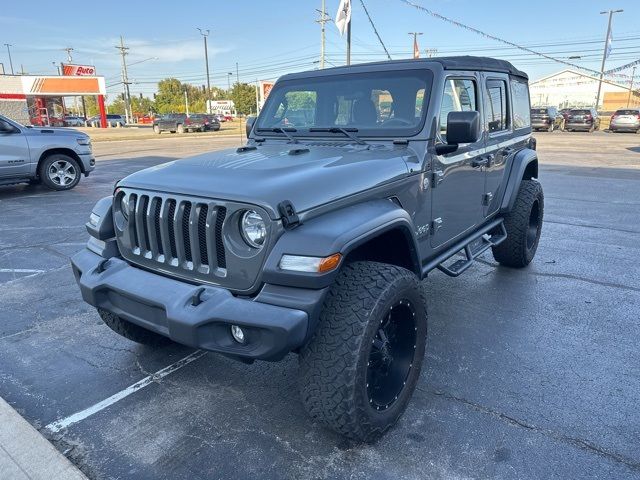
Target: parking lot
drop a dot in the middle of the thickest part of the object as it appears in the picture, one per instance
(528, 374)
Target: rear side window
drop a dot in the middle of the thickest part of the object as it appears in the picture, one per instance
(521, 104)
(580, 112)
(496, 111)
(628, 112)
(459, 96)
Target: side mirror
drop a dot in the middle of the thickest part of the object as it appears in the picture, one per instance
(249, 124)
(462, 127)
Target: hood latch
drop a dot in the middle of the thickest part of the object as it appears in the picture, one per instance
(288, 214)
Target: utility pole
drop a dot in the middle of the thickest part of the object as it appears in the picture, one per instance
(237, 74)
(69, 50)
(416, 51)
(258, 97)
(229, 75)
(125, 80)
(9, 52)
(205, 34)
(186, 101)
(605, 53)
(349, 42)
(324, 18)
(633, 74)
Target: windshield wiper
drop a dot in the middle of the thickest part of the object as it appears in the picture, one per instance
(284, 131)
(349, 132)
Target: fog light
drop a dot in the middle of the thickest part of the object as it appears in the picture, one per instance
(237, 333)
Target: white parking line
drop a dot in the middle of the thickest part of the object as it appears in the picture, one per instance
(63, 423)
(20, 270)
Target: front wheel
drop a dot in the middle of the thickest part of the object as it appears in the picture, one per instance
(59, 172)
(360, 369)
(156, 129)
(524, 225)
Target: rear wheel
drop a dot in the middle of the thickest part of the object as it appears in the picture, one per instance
(180, 128)
(131, 331)
(59, 172)
(156, 129)
(524, 225)
(551, 127)
(360, 369)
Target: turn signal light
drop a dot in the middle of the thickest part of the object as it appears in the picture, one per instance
(298, 263)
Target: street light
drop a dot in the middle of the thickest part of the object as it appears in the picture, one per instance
(9, 52)
(205, 34)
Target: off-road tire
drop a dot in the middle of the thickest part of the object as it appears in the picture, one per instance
(45, 165)
(521, 244)
(131, 331)
(334, 365)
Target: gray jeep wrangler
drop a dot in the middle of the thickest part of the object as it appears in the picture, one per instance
(355, 183)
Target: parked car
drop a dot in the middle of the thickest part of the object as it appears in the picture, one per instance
(57, 157)
(181, 123)
(74, 121)
(112, 121)
(585, 119)
(547, 118)
(625, 120)
(220, 118)
(206, 122)
(565, 113)
(315, 239)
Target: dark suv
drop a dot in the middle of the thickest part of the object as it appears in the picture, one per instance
(355, 183)
(547, 118)
(181, 123)
(585, 119)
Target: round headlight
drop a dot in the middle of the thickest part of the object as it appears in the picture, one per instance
(124, 206)
(253, 229)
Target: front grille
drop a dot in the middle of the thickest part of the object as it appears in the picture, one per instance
(181, 233)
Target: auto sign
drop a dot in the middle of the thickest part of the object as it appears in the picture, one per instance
(78, 70)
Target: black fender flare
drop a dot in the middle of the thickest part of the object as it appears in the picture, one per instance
(339, 231)
(524, 165)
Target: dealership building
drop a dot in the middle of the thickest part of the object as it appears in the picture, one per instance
(39, 100)
(570, 88)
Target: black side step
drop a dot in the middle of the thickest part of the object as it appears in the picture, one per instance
(473, 250)
(460, 245)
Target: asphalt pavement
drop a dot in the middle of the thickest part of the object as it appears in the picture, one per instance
(528, 374)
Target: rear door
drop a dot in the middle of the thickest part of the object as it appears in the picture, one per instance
(508, 127)
(14, 152)
(457, 182)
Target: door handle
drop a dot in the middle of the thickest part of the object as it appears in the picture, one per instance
(507, 151)
(480, 162)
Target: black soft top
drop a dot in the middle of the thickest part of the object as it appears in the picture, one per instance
(467, 62)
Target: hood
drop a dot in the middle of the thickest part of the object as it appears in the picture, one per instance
(54, 131)
(276, 171)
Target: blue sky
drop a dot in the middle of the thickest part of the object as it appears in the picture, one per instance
(270, 38)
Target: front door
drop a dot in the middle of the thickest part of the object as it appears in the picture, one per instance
(458, 179)
(14, 152)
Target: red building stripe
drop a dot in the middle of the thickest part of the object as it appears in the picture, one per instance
(13, 96)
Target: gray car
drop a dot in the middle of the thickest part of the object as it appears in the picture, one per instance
(625, 120)
(355, 184)
(57, 157)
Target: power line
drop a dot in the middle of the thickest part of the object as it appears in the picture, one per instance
(375, 30)
(493, 37)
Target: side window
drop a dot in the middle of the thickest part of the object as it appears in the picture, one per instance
(520, 101)
(496, 111)
(459, 96)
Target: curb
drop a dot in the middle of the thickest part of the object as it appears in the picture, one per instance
(26, 454)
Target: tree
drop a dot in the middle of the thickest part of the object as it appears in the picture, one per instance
(244, 98)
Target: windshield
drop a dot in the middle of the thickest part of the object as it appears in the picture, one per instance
(390, 103)
(539, 111)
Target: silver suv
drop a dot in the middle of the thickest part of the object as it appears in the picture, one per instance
(54, 156)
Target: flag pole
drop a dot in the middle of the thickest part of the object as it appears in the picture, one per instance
(349, 42)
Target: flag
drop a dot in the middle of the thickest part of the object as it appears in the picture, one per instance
(608, 50)
(343, 17)
(416, 50)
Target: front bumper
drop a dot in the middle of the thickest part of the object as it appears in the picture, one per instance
(88, 163)
(166, 306)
